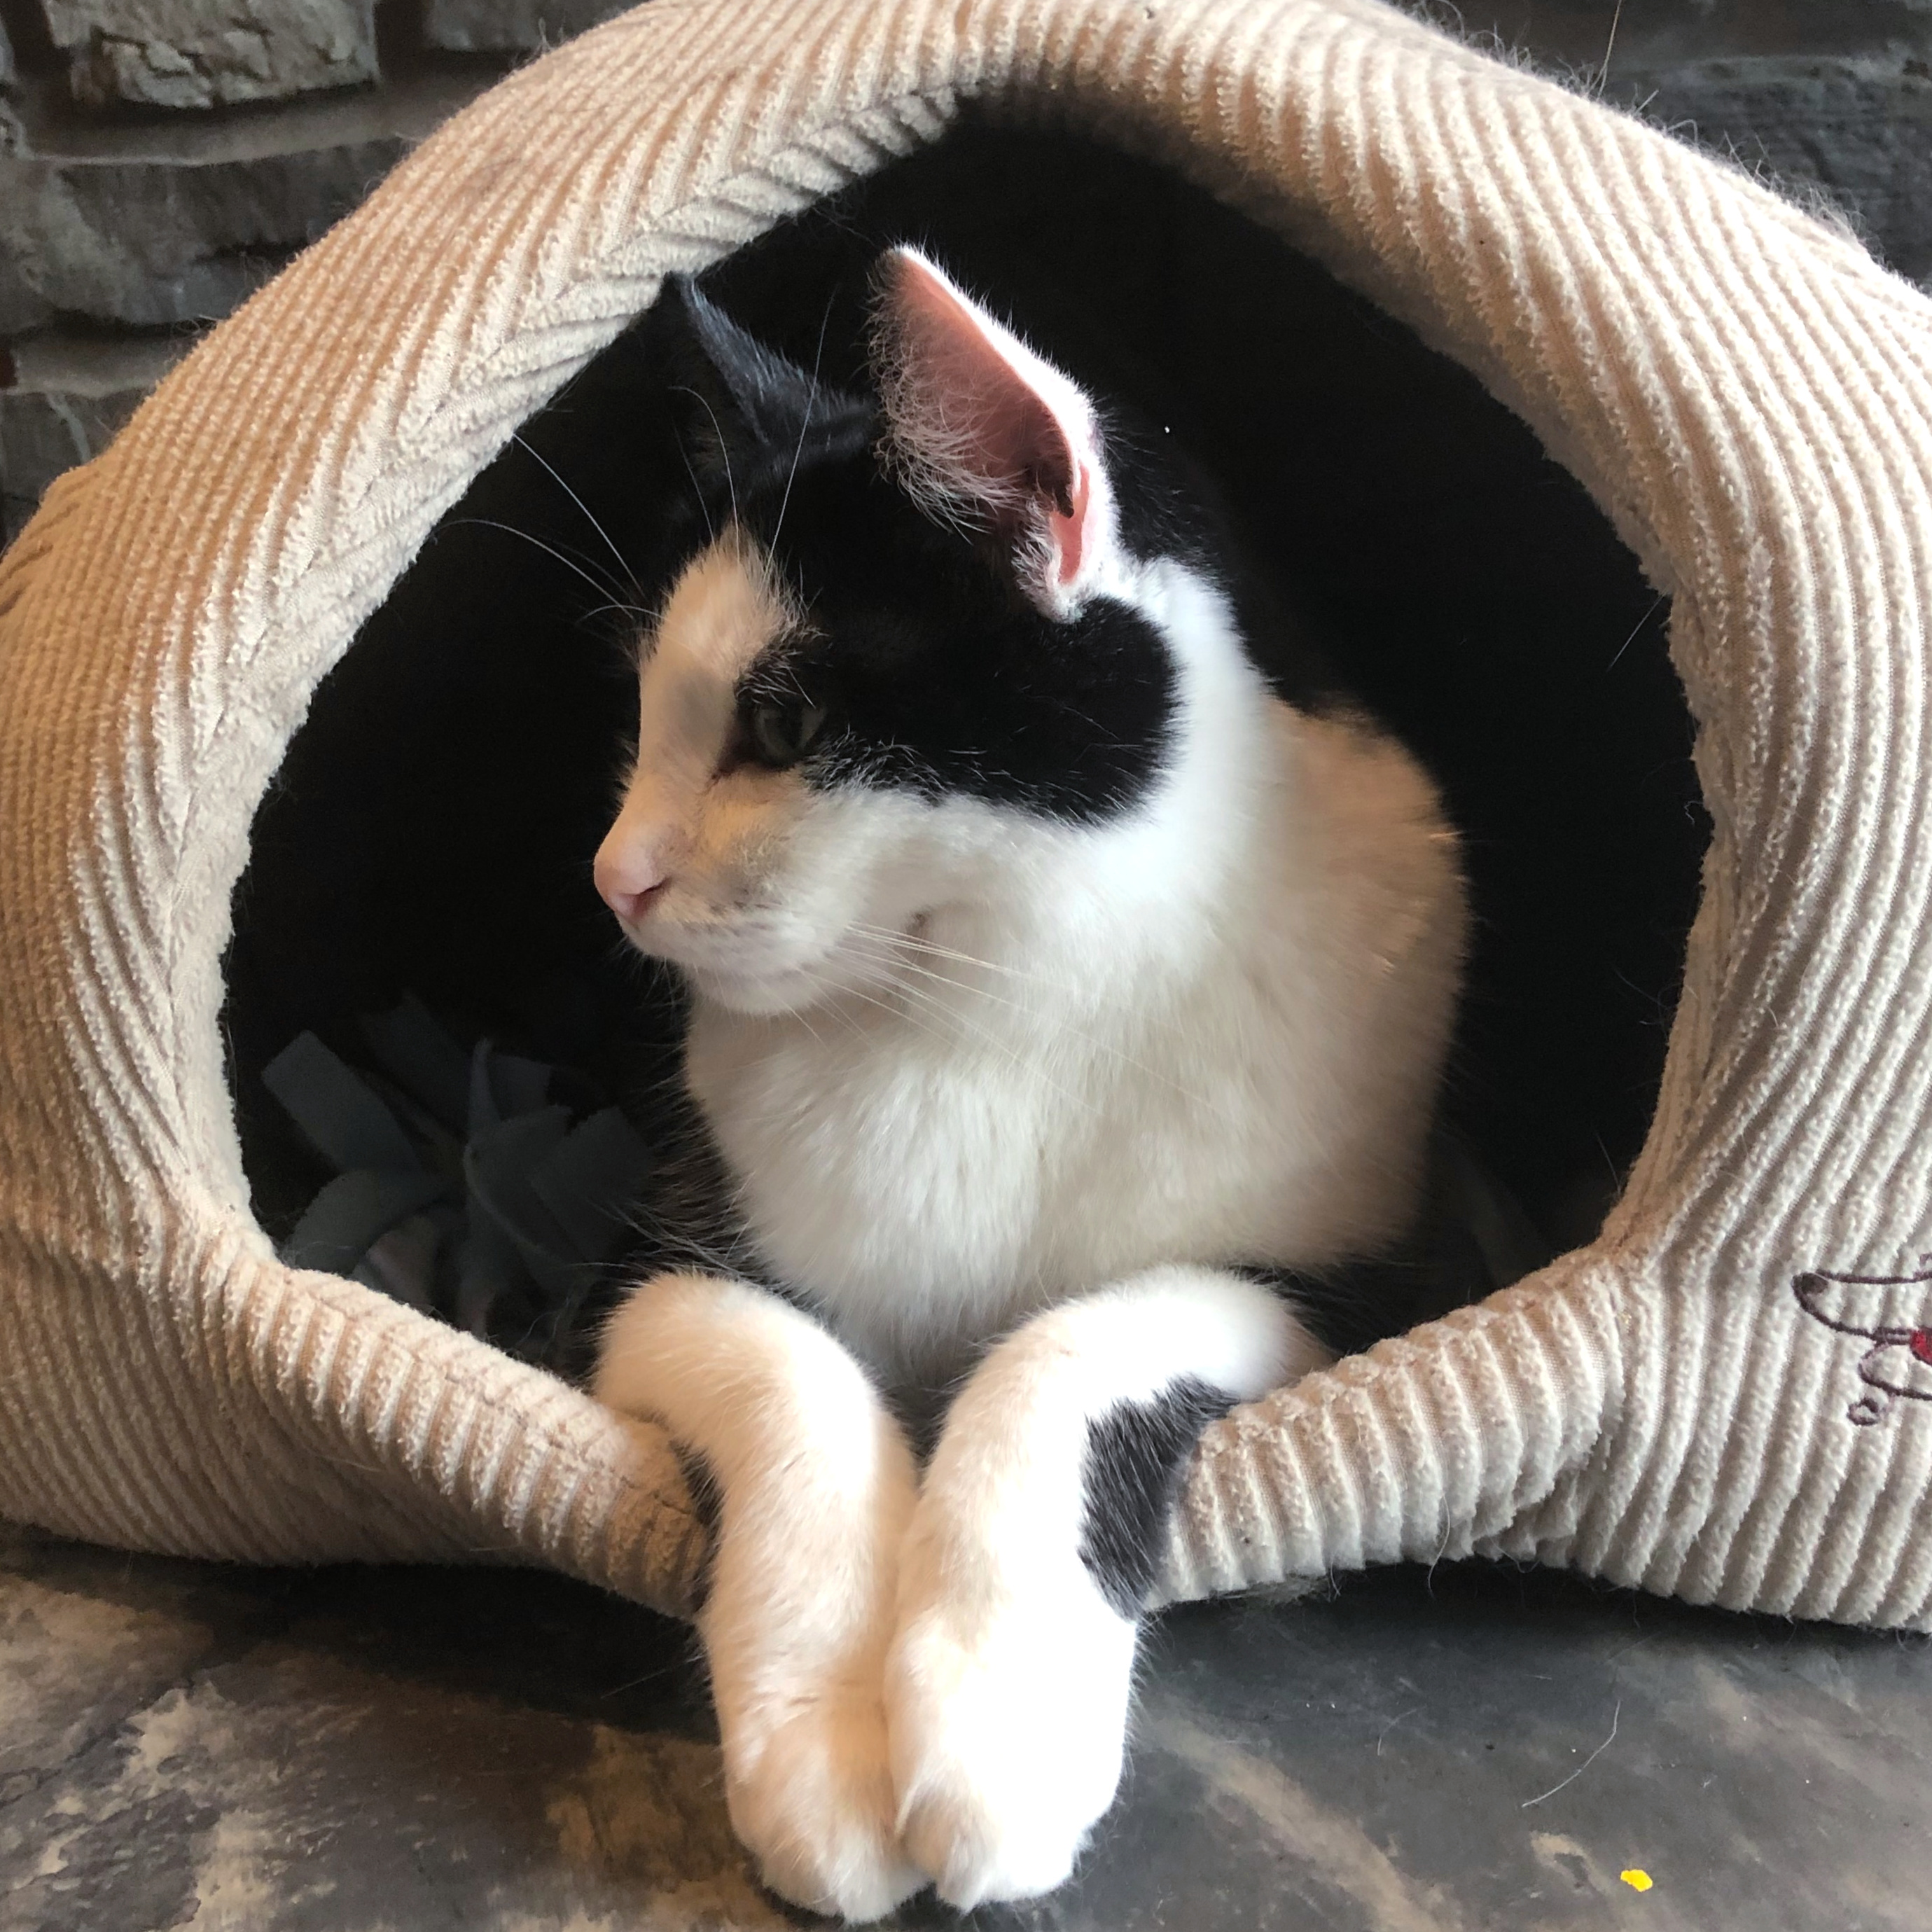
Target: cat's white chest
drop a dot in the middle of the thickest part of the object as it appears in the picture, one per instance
(929, 1189)
(929, 1162)
(905, 1189)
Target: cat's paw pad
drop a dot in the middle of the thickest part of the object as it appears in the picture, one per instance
(813, 1803)
(1006, 1748)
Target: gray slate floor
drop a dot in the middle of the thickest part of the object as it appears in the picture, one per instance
(351, 1750)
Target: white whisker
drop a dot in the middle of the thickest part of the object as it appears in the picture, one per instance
(704, 508)
(724, 448)
(1057, 1021)
(928, 1003)
(938, 952)
(549, 549)
(623, 562)
(804, 428)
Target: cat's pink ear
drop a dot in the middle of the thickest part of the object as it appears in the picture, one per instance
(987, 434)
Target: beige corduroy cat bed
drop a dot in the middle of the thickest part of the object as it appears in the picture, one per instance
(1724, 1396)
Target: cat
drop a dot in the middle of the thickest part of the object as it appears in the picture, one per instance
(1055, 985)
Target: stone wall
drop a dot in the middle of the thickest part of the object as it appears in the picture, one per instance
(1831, 97)
(210, 53)
(510, 26)
(159, 159)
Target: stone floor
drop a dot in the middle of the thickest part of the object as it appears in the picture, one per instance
(1477, 1748)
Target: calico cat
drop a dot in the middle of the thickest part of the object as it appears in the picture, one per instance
(1053, 983)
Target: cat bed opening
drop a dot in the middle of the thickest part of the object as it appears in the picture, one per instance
(1738, 390)
(428, 831)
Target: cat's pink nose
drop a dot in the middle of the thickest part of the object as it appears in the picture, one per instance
(629, 878)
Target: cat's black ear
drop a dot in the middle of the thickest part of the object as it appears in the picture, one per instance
(747, 415)
(983, 431)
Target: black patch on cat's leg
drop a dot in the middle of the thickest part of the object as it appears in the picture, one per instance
(1135, 1457)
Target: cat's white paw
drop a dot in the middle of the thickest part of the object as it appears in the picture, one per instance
(1008, 1726)
(812, 1801)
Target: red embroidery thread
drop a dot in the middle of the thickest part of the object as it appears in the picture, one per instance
(1885, 1367)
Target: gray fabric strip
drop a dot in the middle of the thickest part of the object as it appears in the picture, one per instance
(349, 1126)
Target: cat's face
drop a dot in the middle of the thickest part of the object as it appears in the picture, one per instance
(775, 884)
(917, 652)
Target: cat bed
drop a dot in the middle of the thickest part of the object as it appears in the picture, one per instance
(1723, 1395)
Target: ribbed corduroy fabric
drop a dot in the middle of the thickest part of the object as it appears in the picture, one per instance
(1748, 395)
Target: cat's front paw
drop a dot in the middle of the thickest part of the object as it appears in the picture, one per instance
(1008, 1725)
(811, 1799)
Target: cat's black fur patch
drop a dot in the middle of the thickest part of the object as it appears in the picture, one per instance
(935, 672)
(938, 676)
(1136, 1455)
(754, 418)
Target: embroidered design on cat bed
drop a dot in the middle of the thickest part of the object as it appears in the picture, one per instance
(1897, 1367)
(1743, 390)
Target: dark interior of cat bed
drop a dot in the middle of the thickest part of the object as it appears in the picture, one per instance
(417, 911)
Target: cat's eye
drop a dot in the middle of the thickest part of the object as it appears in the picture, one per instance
(783, 728)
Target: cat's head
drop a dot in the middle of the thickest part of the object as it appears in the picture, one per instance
(931, 636)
